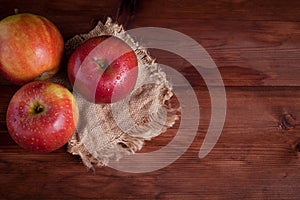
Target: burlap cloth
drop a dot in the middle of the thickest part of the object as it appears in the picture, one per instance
(108, 131)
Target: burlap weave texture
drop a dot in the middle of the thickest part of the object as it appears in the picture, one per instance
(108, 131)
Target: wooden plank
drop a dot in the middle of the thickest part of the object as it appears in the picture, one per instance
(242, 10)
(70, 17)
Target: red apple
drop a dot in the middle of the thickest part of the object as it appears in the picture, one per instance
(103, 69)
(42, 116)
(31, 48)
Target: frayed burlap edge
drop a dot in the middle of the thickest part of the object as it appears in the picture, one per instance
(125, 143)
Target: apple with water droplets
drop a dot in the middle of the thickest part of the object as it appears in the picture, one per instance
(42, 116)
(103, 69)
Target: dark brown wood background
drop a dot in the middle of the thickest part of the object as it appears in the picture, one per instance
(256, 46)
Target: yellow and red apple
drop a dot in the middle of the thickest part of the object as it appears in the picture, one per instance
(31, 48)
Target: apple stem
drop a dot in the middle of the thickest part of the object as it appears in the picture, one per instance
(101, 63)
(16, 11)
(39, 109)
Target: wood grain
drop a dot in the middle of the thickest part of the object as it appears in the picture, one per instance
(252, 42)
(256, 46)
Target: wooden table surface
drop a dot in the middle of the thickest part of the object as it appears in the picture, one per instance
(256, 46)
